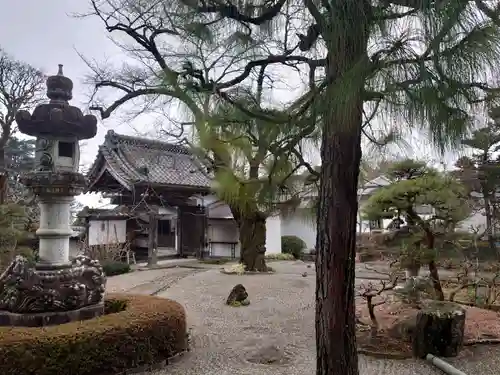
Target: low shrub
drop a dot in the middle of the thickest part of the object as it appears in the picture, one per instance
(280, 256)
(113, 306)
(115, 268)
(148, 330)
(237, 269)
(215, 260)
(293, 245)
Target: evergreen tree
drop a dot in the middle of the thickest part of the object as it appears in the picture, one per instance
(415, 186)
(20, 159)
(481, 174)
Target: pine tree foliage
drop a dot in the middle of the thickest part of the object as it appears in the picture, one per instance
(253, 161)
(417, 185)
(480, 173)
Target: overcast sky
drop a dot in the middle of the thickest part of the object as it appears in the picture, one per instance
(44, 34)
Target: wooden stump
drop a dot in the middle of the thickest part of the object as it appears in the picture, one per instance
(439, 330)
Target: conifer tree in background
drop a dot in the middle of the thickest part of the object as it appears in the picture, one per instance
(481, 174)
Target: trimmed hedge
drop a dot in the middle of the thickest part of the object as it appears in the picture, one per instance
(148, 330)
(280, 256)
(293, 245)
(115, 268)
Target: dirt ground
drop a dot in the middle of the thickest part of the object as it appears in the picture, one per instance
(480, 325)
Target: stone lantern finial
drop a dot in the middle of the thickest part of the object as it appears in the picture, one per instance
(59, 87)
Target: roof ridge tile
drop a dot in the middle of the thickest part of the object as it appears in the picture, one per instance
(114, 139)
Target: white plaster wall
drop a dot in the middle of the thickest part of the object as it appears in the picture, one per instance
(206, 200)
(477, 221)
(219, 210)
(301, 226)
(102, 232)
(273, 235)
(223, 231)
(167, 211)
(224, 250)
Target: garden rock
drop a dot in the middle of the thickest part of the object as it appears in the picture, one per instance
(237, 296)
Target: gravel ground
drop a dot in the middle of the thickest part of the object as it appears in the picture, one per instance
(279, 323)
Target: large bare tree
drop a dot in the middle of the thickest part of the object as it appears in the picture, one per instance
(424, 63)
(21, 86)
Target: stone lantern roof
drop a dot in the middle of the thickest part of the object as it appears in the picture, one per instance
(57, 119)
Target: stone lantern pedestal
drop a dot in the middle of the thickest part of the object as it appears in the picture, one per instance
(55, 290)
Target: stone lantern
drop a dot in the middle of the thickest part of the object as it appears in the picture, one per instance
(55, 290)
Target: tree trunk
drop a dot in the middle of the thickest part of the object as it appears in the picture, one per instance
(252, 228)
(4, 177)
(153, 240)
(335, 259)
(489, 221)
(433, 271)
(338, 200)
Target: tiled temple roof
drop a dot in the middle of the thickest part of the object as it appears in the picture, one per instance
(134, 160)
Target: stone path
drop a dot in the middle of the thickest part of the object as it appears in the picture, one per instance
(147, 282)
(277, 326)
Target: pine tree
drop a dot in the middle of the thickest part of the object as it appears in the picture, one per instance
(481, 174)
(415, 185)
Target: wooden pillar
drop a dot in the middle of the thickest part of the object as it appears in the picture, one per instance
(153, 240)
(178, 232)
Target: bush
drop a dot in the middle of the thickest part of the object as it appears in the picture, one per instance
(293, 245)
(148, 330)
(113, 306)
(281, 256)
(115, 268)
(237, 269)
